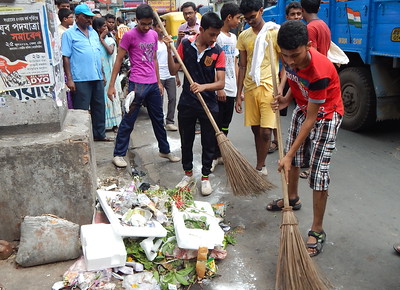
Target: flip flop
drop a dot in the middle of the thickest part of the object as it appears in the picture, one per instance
(106, 139)
(305, 174)
(273, 206)
(273, 148)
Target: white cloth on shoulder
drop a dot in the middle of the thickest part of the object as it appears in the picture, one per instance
(260, 46)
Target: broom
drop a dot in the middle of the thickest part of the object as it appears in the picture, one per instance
(243, 178)
(295, 268)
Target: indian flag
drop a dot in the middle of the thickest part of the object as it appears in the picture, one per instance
(354, 17)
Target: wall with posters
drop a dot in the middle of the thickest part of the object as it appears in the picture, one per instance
(30, 65)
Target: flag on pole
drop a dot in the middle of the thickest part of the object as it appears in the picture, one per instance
(354, 17)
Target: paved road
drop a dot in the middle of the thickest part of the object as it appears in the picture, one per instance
(362, 219)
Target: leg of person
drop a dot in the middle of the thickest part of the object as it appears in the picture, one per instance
(186, 123)
(258, 114)
(208, 144)
(98, 111)
(274, 143)
(307, 156)
(297, 120)
(324, 139)
(126, 126)
(155, 110)
(81, 96)
(163, 82)
(218, 120)
(226, 117)
(170, 87)
(267, 123)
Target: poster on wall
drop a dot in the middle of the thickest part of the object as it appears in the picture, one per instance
(51, 32)
(24, 60)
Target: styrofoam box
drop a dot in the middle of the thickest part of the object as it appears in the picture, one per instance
(155, 230)
(102, 247)
(195, 238)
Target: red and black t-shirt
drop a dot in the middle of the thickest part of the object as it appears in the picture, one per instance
(317, 83)
(202, 69)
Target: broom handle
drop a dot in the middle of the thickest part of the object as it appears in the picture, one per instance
(187, 74)
(278, 124)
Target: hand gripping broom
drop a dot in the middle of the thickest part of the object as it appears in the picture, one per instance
(243, 178)
(295, 268)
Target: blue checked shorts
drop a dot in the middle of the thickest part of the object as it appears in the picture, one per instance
(323, 142)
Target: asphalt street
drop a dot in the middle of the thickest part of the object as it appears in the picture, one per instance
(361, 221)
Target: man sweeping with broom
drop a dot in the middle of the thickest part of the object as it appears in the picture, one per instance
(314, 83)
(205, 61)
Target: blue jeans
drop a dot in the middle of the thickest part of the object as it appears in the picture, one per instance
(148, 94)
(90, 95)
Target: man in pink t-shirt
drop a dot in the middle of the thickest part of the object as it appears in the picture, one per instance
(141, 45)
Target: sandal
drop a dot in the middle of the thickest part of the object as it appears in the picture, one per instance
(273, 147)
(106, 139)
(273, 206)
(317, 246)
(305, 174)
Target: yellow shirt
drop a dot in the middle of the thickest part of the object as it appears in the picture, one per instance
(246, 42)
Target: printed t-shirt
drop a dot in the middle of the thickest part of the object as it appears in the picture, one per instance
(317, 83)
(202, 69)
(142, 48)
(246, 42)
(320, 35)
(84, 54)
(228, 45)
(162, 57)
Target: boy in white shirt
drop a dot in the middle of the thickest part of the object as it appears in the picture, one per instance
(230, 14)
(168, 82)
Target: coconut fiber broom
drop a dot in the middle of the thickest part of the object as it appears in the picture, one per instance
(243, 178)
(295, 268)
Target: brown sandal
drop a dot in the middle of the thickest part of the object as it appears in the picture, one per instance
(305, 174)
(273, 147)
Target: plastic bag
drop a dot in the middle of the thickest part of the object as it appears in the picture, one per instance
(128, 101)
(336, 55)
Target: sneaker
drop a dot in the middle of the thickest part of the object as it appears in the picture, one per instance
(214, 164)
(170, 156)
(186, 180)
(206, 188)
(263, 171)
(171, 127)
(119, 161)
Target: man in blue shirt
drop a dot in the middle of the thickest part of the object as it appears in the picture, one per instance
(82, 66)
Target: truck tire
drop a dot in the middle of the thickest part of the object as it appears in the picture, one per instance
(358, 99)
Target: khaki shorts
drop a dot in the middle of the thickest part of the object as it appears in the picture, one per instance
(258, 111)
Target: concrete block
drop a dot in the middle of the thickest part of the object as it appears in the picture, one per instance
(38, 114)
(42, 237)
(48, 173)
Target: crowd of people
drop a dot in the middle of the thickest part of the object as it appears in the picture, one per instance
(231, 73)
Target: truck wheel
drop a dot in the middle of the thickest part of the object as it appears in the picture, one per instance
(358, 98)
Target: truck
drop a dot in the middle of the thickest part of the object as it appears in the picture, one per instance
(368, 31)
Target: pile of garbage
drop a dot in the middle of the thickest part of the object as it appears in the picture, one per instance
(157, 239)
